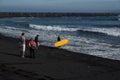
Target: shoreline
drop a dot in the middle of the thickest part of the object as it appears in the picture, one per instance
(53, 64)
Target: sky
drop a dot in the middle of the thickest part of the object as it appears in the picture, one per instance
(60, 6)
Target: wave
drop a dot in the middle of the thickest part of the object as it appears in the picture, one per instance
(119, 15)
(118, 19)
(51, 28)
(108, 31)
(12, 31)
(83, 30)
(10, 28)
(115, 31)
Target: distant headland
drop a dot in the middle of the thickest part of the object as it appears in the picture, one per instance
(33, 14)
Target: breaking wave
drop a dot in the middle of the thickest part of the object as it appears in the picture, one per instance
(108, 31)
(51, 28)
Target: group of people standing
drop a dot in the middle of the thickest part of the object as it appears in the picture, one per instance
(33, 45)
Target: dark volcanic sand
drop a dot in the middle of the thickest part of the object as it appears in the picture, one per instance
(53, 64)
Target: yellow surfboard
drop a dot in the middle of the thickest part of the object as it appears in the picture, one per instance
(61, 42)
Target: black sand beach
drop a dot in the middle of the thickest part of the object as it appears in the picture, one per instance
(53, 64)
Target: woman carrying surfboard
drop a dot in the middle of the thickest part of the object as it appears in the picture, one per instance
(58, 38)
(61, 42)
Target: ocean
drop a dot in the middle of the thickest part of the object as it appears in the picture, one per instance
(95, 35)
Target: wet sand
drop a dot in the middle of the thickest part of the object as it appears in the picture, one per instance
(53, 64)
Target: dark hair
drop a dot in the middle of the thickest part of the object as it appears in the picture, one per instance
(31, 38)
(22, 34)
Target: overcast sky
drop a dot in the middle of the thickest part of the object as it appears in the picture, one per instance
(59, 5)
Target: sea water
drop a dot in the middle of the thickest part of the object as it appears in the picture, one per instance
(95, 35)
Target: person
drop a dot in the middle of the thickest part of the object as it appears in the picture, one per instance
(32, 46)
(37, 40)
(22, 45)
(58, 38)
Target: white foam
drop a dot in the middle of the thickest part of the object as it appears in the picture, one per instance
(109, 31)
(101, 50)
(51, 28)
(10, 28)
(15, 32)
(8, 31)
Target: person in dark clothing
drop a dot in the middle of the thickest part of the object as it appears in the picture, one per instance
(32, 46)
(37, 41)
(58, 38)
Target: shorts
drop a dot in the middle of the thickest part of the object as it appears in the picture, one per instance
(38, 44)
(23, 48)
